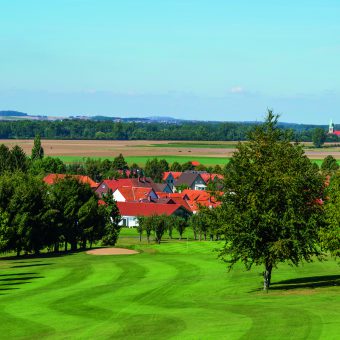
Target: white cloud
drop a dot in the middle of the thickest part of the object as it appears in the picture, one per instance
(237, 89)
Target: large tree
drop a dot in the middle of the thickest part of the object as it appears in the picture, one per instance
(330, 234)
(318, 137)
(37, 150)
(271, 211)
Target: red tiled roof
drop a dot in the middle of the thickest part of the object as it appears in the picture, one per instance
(146, 209)
(195, 163)
(210, 177)
(336, 132)
(134, 193)
(171, 195)
(200, 197)
(52, 178)
(175, 174)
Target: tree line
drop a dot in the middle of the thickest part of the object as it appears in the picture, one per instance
(109, 130)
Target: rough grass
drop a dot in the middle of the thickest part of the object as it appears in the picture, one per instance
(174, 290)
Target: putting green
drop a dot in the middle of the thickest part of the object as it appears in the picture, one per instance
(177, 289)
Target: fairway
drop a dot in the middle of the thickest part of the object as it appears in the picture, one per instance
(177, 289)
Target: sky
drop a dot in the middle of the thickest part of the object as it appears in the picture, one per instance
(191, 59)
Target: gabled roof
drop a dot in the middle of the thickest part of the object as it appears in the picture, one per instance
(113, 184)
(175, 174)
(210, 177)
(146, 209)
(187, 178)
(195, 163)
(52, 178)
(135, 193)
(172, 195)
(200, 197)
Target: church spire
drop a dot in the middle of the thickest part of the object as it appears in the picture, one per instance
(331, 127)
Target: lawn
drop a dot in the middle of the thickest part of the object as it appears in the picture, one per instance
(177, 289)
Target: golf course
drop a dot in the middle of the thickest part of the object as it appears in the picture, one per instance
(174, 290)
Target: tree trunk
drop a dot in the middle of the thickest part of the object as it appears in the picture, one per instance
(195, 236)
(56, 247)
(200, 236)
(74, 245)
(65, 246)
(83, 244)
(91, 244)
(18, 252)
(267, 275)
(205, 236)
(140, 237)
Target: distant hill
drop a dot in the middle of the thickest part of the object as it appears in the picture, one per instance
(13, 114)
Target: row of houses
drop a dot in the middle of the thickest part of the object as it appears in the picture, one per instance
(142, 197)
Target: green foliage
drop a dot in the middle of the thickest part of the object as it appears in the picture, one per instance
(112, 218)
(37, 150)
(154, 168)
(330, 234)
(318, 137)
(329, 165)
(271, 212)
(119, 163)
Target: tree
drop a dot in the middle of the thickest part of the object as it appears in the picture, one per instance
(175, 166)
(180, 225)
(68, 195)
(155, 169)
(37, 150)
(318, 137)
(159, 226)
(329, 165)
(112, 219)
(330, 234)
(271, 212)
(17, 159)
(119, 163)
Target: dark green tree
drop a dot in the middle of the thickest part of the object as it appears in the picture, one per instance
(271, 212)
(318, 137)
(330, 234)
(329, 165)
(175, 166)
(112, 218)
(119, 163)
(37, 150)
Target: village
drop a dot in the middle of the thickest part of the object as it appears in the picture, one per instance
(141, 196)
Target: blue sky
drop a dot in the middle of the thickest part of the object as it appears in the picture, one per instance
(194, 59)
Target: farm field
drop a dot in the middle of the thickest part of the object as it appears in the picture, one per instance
(207, 153)
(177, 289)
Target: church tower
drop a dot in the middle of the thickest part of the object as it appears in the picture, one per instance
(331, 127)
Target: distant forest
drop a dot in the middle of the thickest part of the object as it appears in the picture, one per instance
(106, 130)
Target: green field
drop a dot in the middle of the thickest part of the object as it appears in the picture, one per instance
(177, 290)
(141, 160)
(195, 145)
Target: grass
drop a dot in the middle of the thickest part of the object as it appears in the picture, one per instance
(175, 290)
(141, 160)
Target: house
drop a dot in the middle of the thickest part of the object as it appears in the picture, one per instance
(170, 177)
(130, 211)
(208, 178)
(52, 178)
(197, 198)
(111, 184)
(134, 194)
(192, 180)
(141, 182)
